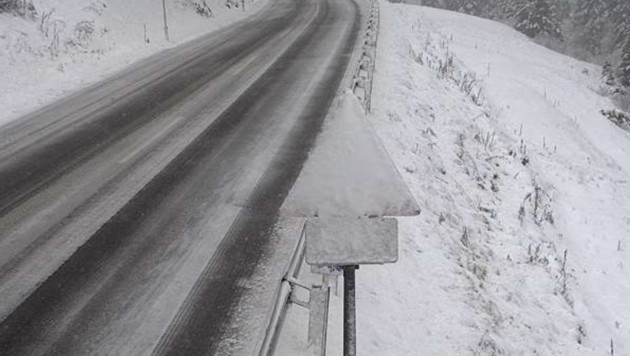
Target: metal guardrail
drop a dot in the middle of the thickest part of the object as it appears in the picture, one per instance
(362, 81)
(282, 298)
(361, 87)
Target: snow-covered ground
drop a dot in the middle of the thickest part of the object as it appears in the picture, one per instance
(523, 244)
(522, 247)
(73, 43)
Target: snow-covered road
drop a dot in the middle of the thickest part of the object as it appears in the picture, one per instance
(136, 214)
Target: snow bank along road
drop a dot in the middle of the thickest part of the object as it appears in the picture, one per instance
(133, 213)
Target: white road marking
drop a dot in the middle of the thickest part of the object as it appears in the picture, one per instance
(158, 135)
(244, 63)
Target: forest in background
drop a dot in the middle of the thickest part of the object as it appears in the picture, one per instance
(596, 31)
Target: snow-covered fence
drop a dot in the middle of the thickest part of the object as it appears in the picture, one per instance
(362, 82)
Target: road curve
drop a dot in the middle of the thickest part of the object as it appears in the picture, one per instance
(134, 213)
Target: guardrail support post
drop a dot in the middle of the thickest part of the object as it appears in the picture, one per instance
(318, 319)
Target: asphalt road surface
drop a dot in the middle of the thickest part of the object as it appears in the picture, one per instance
(134, 213)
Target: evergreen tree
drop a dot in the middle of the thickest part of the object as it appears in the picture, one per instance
(564, 8)
(471, 7)
(608, 74)
(535, 17)
(432, 3)
(589, 20)
(624, 66)
(620, 18)
(454, 5)
(508, 8)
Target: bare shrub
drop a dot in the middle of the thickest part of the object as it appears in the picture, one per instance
(9, 5)
(446, 67)
(536, 256)
(52, 29)
(465, 240)
(488, 140)
(97, 7)
(619, 118)
(55, 41)
(84, 30)
(539, 203)
(487, 346)
(22, 8)
(232, 4)
(416, 56)
(581, 333)
(201, 7)
(44, 22)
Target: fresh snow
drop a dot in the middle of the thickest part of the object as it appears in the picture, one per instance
(478, 274)
(351, 241)
(349, 173)
(42, 60)
(522, 247)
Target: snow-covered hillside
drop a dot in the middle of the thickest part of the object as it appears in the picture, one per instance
(69, 44)
(523, 246)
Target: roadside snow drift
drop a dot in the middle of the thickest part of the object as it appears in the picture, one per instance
(66, 45)
(523, 245)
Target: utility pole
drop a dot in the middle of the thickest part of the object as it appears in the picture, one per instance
(165, 20)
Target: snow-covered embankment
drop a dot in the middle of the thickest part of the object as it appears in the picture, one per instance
(523, 245)
(65, 45)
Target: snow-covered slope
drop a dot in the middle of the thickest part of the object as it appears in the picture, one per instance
(523, 246)
(73, 43)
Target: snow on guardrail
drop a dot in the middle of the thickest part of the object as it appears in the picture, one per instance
(361, 87)
(362, 81)
(282, 298)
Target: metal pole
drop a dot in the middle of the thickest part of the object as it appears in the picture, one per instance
(349, 312)
(165, 20)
